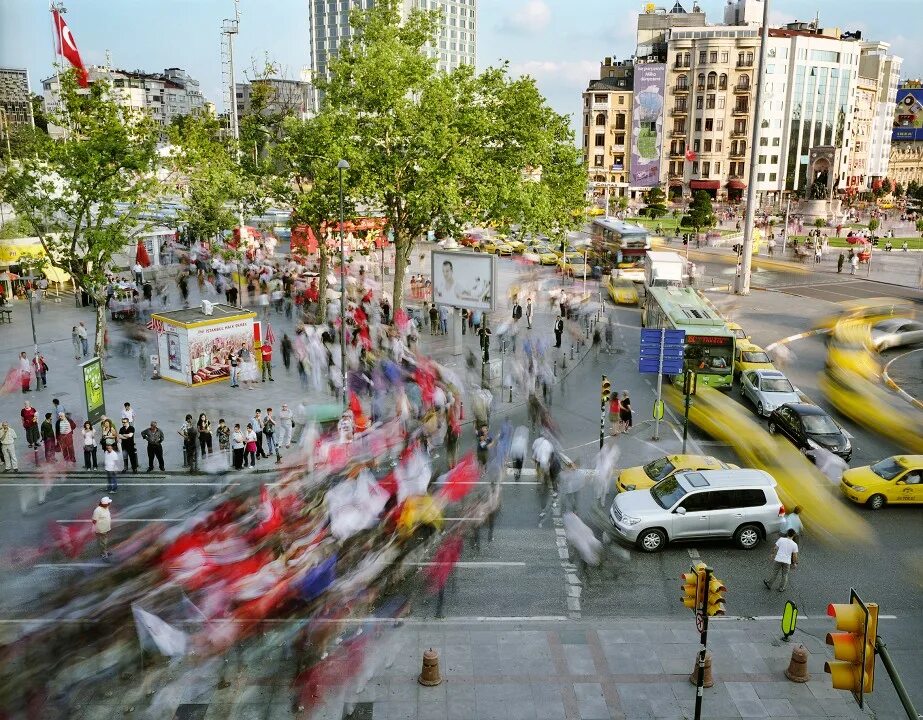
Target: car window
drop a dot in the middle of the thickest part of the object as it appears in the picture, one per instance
(777, 385)
(752, 379)
(786, 414)
(658, 469)
(722, 500)
(914, 477)
(756, 357)
(667, 492)
(887, 469)
(819, 425)
(698, 502)
(748, 498)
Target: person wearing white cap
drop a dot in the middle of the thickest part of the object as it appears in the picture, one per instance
(102, 524)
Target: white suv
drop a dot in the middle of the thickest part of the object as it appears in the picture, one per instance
(739, 503)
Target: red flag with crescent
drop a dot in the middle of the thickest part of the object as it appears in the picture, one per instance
(67, 47)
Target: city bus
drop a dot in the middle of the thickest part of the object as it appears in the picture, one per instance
(619, 246)
(709, 343)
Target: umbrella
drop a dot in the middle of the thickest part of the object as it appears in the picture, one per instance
(856, 240)
(141, 256)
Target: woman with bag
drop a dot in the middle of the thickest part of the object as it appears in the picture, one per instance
(204, 427)
(625, 411)
(89, 446)
(238, 443)
(615, 418)
(250, 447)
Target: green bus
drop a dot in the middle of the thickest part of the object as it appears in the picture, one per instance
(709, 342)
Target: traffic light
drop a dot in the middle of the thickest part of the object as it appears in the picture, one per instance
(606, 389)
(716, 590)
(694, 587)
(854, 646)
(689, 383)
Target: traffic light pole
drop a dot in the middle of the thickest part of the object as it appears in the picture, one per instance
(663, 339)
(882, 650)
(700, 679)
(686, 421)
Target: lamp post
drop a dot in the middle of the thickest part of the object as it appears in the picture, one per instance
(31, 280)
(341, 166)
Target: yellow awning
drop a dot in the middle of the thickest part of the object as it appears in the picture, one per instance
(56, 275)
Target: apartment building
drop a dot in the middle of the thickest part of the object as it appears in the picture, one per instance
(15, 97)
(884, 69)
(287, 97)
(455, 45)
(607, 123)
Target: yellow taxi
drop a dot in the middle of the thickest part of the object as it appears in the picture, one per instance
(645, 476)
(897, 479)
(567, 262)
(850, 349)
(872, 310)
(496, 246)
(622, 291)
(738, 331)
(518, 245)
(748, 356)
(595, 210)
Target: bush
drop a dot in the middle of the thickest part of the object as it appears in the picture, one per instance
(874, 224)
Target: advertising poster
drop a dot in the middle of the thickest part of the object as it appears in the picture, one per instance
(908, 115)
(93, 389)
(210, 345)
(464, 280)
(174, 352)
(647, 125)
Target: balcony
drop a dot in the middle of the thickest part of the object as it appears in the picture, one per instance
(600, 107)
(680, 109)
(680, 89)
(742, 88)
(741, 110)
(618, 167)
(678, 133)
(745, 63)
(739, 132)
(738, 152)
(677, 152)
(681, 65)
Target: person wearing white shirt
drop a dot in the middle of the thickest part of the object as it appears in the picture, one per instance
(541, 455)
(785, 556)
(286, 424)
(128, 414)
(102, 524)
(112, 461)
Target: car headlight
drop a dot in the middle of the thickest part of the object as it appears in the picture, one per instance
(631, 487)
(858, 488)
(628, 520)
(848, 445)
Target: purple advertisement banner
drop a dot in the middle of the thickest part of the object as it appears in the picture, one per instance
(647, 125)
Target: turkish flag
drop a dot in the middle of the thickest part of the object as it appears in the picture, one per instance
(67, 47)
(141, 255)
(691, 155)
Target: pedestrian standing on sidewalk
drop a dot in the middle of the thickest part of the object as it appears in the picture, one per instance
(625, 411)
(108, 435)
(84, 338)
(65, 437)
(75, 340)
(853, 264)
(433, 319)
(204, 429)
(111, 462)
(102, 524)
(223, 433)
(266, 355)
(25, 372)
(485, 442)
(558, 330)
(530, 313)
(187, 432)
(7, 440)
(90, 446)
(840, 261)
(30, 424)
(48, 438)
(785, 557)
(250, 446)
(153, 435)
(129, 451)
(256, 423)
(285, 347)
(128, 413)
(234, 365)
(285, 425)
(269, 432)
(40, 368)
(238, 443)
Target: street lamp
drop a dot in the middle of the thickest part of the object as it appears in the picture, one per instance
(31, 280)
(341, 166)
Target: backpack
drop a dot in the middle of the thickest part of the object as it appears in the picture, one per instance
(517, 311)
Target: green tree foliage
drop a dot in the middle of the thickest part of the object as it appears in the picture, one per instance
(436, 151)
(700, 213)
(656, 201)
(874, 224)
(307, 180)
(919, 226)
(913, 187)
(820, 223)
(83, 198)
(898, 190)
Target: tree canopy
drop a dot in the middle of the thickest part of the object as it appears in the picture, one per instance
(701, 214)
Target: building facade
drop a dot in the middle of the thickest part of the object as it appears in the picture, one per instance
(15, 97)
(164, 96)
(607, 123)
(455, 45)
(287, 97)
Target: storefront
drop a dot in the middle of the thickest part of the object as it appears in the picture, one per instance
(18, 257)
(193, 347)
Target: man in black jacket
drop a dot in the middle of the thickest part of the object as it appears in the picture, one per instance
(154, 437)
(127, 440)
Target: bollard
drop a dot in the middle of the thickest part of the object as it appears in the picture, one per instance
(694, 678)
(797, 670)
(430, 676)
(555, 367)
(511, 393)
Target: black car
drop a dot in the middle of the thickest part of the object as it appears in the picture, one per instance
(807, 425)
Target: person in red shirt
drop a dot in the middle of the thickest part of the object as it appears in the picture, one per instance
(266, 353)
(30, 424)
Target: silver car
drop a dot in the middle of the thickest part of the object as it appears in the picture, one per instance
(896, 332)
(741, 504)
(767, 390)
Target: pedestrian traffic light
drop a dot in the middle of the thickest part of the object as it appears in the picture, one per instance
(694, 587)
(854, 646)
(606, 389)
(716, 590)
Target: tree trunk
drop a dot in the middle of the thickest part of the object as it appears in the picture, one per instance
(322, 282)
(403, 247)
(99, 343)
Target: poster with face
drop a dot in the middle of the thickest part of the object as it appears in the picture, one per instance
(210, 345)
(464, 280)
(174, 353)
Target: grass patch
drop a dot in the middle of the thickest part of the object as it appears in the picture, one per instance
(913, 243)
(669, 224)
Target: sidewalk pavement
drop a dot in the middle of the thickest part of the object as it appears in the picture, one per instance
(525, 669)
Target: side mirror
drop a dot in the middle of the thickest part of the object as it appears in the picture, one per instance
(680, 510)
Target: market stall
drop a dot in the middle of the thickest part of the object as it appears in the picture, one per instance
(193, 347)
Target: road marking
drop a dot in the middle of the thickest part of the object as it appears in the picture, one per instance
(897, 388)
(466, 619)
(472, 563)
(72, 565)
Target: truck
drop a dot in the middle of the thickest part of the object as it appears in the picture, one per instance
(664, 269)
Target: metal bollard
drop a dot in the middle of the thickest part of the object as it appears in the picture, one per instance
(555, 367)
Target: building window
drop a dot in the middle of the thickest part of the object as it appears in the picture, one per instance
(586, 120)
(762, 160)
(700, 85)
(698, 124)
(717, 168)
(743, 82)
(719, 125)
(682, 82)
(603, 99)
(706, 169)
(600, 139)
(772, 177)
(696, 145)
(709, 124)
(724, 56)
(710, 102)
(601, 119)
(775, 142)
(723, 81)
(721, 102)
(695, 167)
(698, 102)
(599, 160)
(620, 121)
(764, 141)
(707, 145)
(679, 126)
(621, 99)
(619, 139)
(701, 57)
(586, 140)
(774, 159)
(712, 81)
(719, 144)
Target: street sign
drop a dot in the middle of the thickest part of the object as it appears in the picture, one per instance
(699, 620)
(789, 620)
(662, 351)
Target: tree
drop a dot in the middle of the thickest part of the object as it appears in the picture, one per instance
(919, 225)
(656, 201)
(436, 151)
(83, 198)
(15, 227)
(820, 223)
(700, 211)
(874, 224)
(308, 181)
(913, 188)
(898, 190)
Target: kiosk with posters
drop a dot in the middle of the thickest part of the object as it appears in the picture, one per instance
(193, 347)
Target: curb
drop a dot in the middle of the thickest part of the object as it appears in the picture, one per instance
(897, 388)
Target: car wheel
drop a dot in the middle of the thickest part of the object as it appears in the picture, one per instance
(747, 537)
(652, 540)
(759, 409)
(773, 428)
(876, 502)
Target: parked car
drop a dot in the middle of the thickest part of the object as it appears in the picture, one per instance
(896, 332)
(767, 389)
(897, 479)
(809, 426)
(741, 504)
(622, 291)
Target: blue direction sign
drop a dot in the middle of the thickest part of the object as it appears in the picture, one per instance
(673, 349)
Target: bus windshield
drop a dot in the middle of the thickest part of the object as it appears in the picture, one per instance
(714, 359)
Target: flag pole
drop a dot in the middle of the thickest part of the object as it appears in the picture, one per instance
(56, 49)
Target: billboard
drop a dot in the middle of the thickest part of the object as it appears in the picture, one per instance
(464, 279)
(908, 114)
(92, 371)
(647, 125)
(210, 345)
